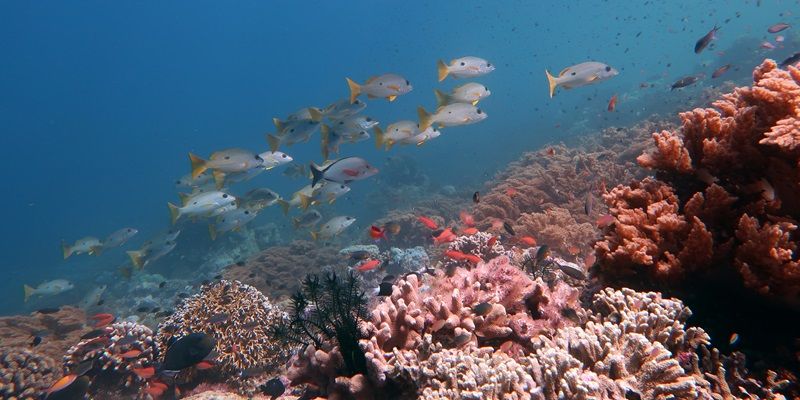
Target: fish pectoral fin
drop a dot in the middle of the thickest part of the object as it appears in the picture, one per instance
(593, 78)
(392, 97)
(475, 102)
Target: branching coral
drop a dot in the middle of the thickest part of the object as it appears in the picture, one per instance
(24, 374)
(239, 318)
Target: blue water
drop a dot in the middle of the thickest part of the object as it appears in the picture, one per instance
(101, 101)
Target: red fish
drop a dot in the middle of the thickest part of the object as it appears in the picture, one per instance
(528, 241)
(490, 243)
(368, 265)
(551, 151)
(455, 255)
(605, 220)
(469, 231)
(61, 384)
(205, 364)
(466, 218)
(612, 104)
(158, 384)
(131, 353)
(145, 372)
(377, 233)
(429, 223)
(511, 192)
(446, 236)
(721, 70)
(102, 319)
(472, 259)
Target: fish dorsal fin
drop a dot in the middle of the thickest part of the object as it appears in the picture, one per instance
(564, 71)
(371, 79)
(184, 198)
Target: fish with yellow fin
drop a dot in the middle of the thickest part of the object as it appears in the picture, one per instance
(88, 245)
(585, 73)
(225, 161)
(470, 93)
(386, 86)
(464, 67)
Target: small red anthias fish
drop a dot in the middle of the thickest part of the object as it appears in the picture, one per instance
(154, 391)
(719, 71)
(528, 241)
(511, 192)
(368, 265)
(472, 259)
(466, 218)
(429, 223)
(131, 353)
(377, 233)
(605, 220)
(205, 364)
(612, 104)
(490, 243)
(469, 231)
(145, 372)
(60, 384)
(446, 236)
(455, 255)
(102, 319)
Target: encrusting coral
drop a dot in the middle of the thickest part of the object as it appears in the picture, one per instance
(25, 374)
(239, 318)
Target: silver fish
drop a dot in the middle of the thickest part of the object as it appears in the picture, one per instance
(49, 288)
(470, 93)
(451, 115)
(333, 227)
(464, 67)
(89, 245)
(386, 86)
(119, 237)
(582, 74)
(343, 170)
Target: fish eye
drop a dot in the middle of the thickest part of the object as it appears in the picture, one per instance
(247, 212)
(608, 69)
(380, 83)
(177, 182)
(341, 122)
(408, 83)
(463, 64)
(396, 129)
(129, 229)
(368, 119)
(573, 74)
(194, 204)
(283, 156)
(224, 195)
(488, 64)
(291, 130)
(357, 102)
(342, 186)
(227, 157)
(479, 111)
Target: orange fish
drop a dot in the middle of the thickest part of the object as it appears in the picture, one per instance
(205, 364)
(551, 151)
(455, 255)
(61, 384)
(511, 192)
(102, 316)
(612, 104)
(446, 236)
(431, 224)
(377, 233)
(102, 320)
(469, 231)
(368, 265)
(473, 259)
(131, 354)
(155, 391)
(528, 241)
(490, 243)
(466, 218)
(573, 250)
(145, 372)
(605, 220)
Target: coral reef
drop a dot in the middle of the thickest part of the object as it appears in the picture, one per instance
(25, 374)
(275, 271)
(116, 352)
(403, 261)
(59, 330)
(239, 318)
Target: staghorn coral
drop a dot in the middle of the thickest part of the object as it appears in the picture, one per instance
(239, 318)
(275, 270)
(58, 330)
(733, 170)
(25, 374)
(123, 347)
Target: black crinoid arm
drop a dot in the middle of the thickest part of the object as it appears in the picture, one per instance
(328, 310)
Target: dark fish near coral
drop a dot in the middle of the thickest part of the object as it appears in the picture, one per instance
(778, 27)
(482, 309)
(476, 197)
(571, 269)
(36, 341)
(50, 310)
(721, 70)
(69, 387)
(385, 289)
(188, 351)
(542, 253)
(792, 60)
(218, 318)
(93, 334)
(274, 387)
(508, 228)
(683, 82)
(705, 40)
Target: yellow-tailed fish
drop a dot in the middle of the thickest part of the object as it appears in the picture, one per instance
(585, 73)
(450, 115)
(464, 67)
(386, 86)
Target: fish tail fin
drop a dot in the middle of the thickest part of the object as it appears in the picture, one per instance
(424, 119)
(355, 90)
(29, 291)
(219, 178)
(315, 113)
(441, 98)
(316, 174)
(314, 235)
(305, 201)
(551, 80)
(284, 206)
(441, 67)
(136, 257)
(278, 124)
(212, 231)
(198, 165)
(325, 131)
(174, 212)
(274, 142)
(66, 249)
(378, 137)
